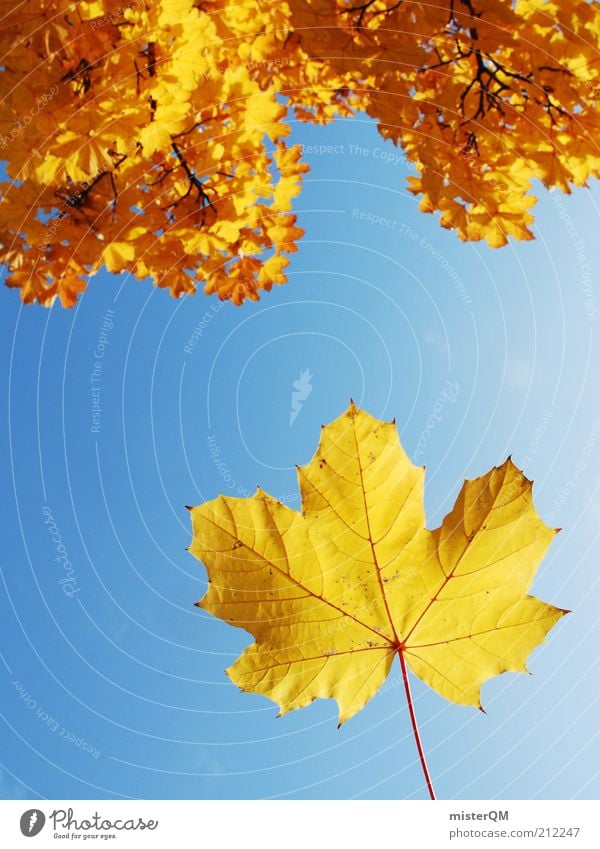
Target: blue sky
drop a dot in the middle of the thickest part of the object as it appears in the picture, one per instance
(112, 682)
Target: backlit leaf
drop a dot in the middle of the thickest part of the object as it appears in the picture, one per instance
(334, 594)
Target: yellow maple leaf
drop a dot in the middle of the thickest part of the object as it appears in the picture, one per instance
(334, 594)
(117, 254)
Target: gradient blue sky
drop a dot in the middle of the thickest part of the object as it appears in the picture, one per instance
(385, 314)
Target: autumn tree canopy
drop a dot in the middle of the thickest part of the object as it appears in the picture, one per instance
(152, 136)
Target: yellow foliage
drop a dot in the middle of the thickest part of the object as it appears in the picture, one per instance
(172, 115)
(331, 595)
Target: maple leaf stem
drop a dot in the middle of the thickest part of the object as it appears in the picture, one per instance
(415, 727)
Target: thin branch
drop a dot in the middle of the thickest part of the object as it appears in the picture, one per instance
(363, 9)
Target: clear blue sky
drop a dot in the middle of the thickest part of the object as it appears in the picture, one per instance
(112, 682)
